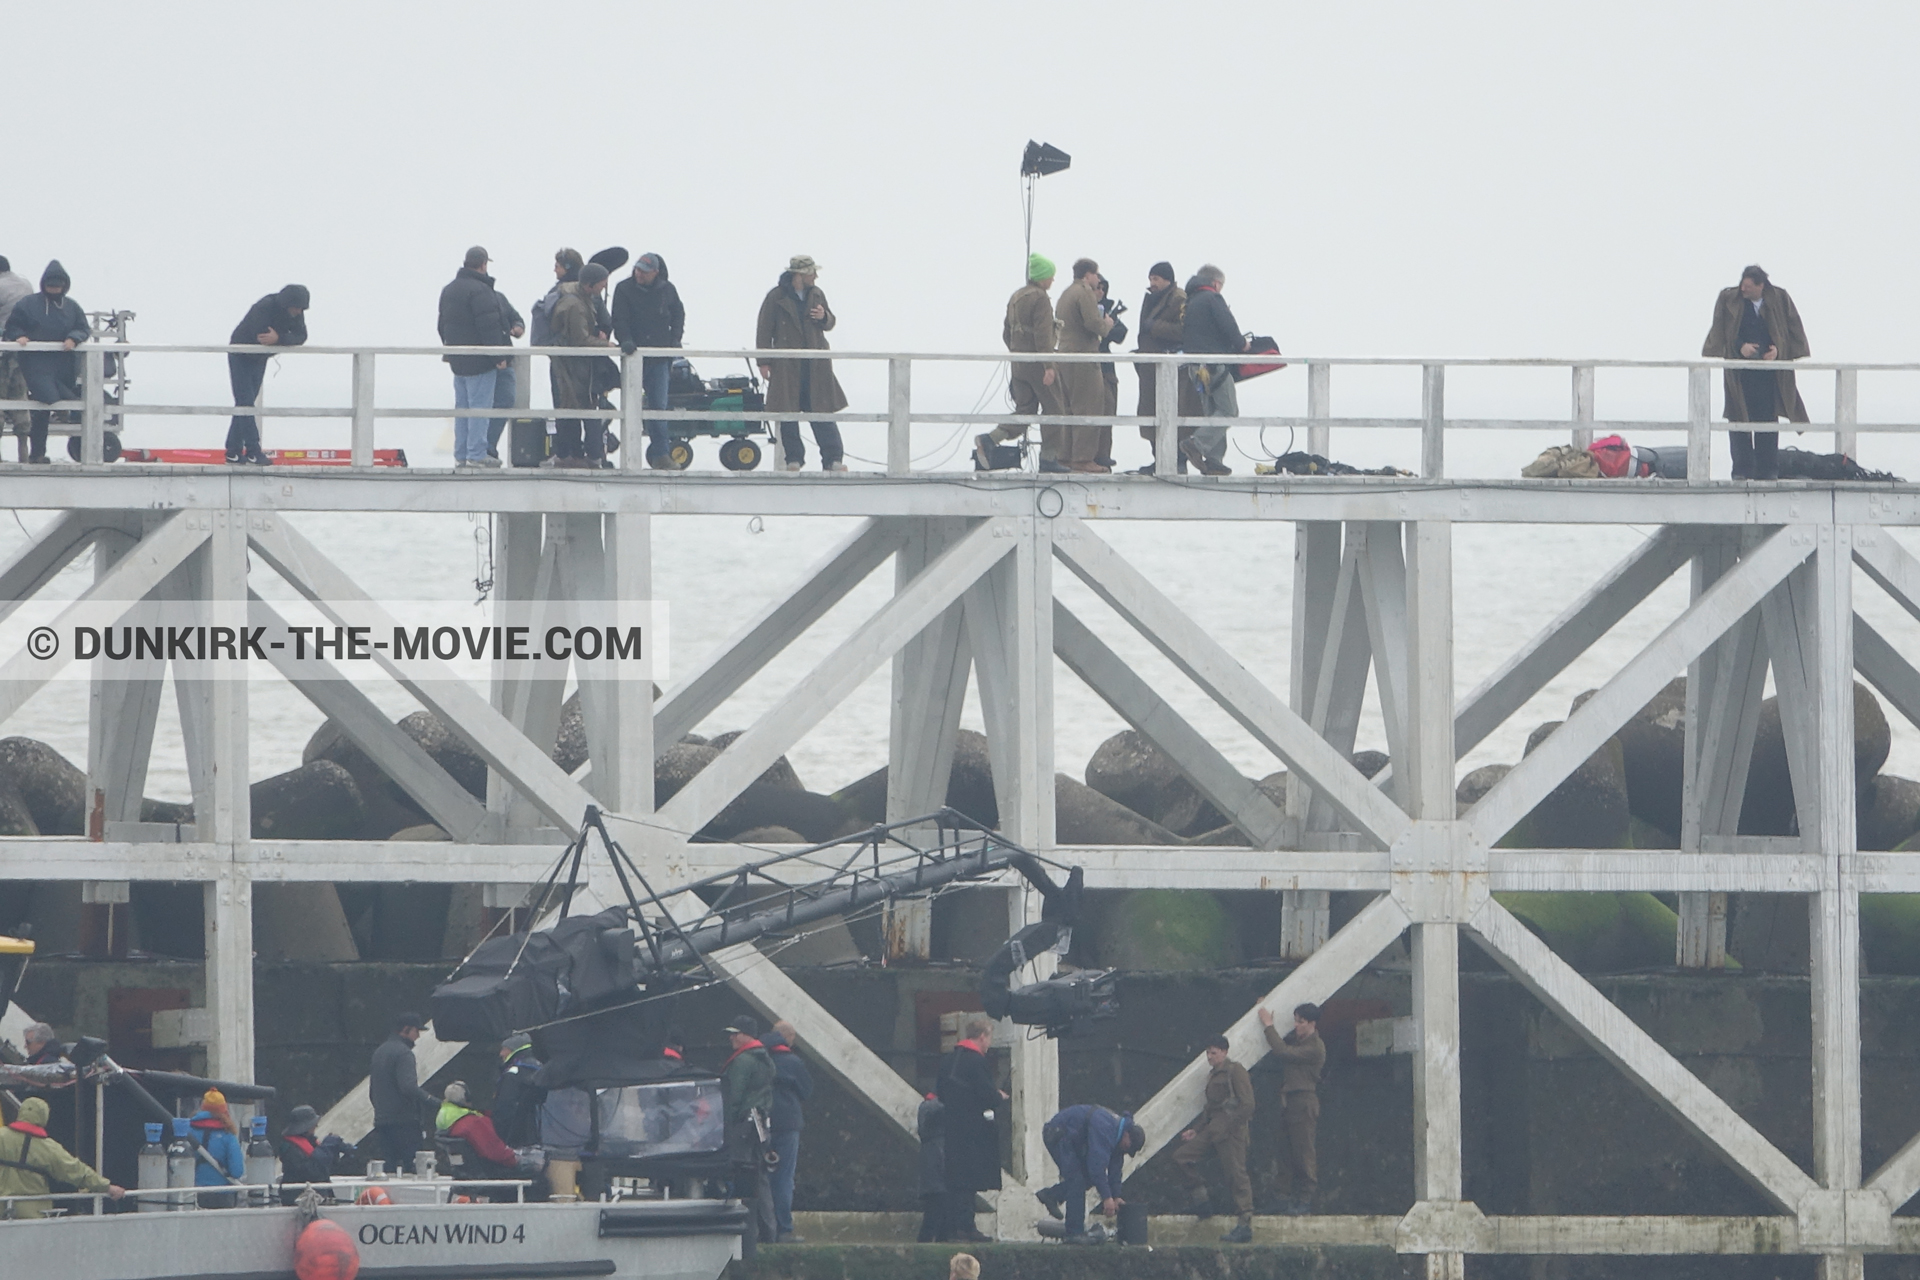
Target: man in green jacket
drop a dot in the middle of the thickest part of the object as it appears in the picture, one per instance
(1302, 1055)
(1222, 1131)
(746, 1085)
(30, 1162)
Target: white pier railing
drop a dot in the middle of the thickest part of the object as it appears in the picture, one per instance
(365, 412)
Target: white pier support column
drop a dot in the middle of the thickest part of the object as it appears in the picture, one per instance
(123, 709)
(213, 722)
(1835, 910)
(1009, 619)
(525, 567)
(1428, 788)
(1305, 913)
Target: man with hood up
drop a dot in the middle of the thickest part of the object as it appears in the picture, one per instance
(576, 322)
(13, 386)
(647, 313)
(48, 316)
(30, 1162)
(795, 314)
(277, 320)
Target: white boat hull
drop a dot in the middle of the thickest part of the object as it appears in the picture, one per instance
(674, 1240)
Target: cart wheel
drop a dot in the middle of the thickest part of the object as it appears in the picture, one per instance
(679, 455)
(739, 455)
(109, 447)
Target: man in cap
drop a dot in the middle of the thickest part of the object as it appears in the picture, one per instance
(31, 1162)
(795, 314)
(1163, 313)
(13, 385)
(1028, 327)
(746, 1087)
(1088, 1144)
(516, 1098)
(578, 442)
(393, 1086)
(277, 320)
(647, 313)
(470, 316)
(303, 1158)
(48, 316)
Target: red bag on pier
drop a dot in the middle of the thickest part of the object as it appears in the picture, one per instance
(1615, 459)
(1259, 346)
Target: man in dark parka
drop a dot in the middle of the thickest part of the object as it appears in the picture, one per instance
(1756, 320)
(1163, 314)
(795, 315)
(971, 1103)
(277, 320)
(48, 316)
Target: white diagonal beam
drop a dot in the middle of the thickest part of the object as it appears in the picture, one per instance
(756, 644)
(1719, 608)
(1571, 634)
(401, 758)
(1621, 1041)
(1886, 669)
(1264, 714)
(1891, 565)
(942, 582)
(1319, 976)
(460, 707)
(139, 571)
(51, 550)
(1225, 787)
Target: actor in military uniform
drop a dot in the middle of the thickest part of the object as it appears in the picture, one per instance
(1029, 327)
(1222, 1131)
(1302, 1055)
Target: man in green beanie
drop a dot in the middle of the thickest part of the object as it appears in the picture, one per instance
(30, 1162)
(1029, 327)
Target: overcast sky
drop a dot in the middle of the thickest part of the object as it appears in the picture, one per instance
(1468, 180)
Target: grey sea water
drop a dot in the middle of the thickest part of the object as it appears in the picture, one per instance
(1235, 579)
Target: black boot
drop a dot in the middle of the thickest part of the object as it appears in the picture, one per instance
(1741, 442)
(1242, 1234)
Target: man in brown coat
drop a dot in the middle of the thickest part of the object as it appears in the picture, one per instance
(575, 322)
(1162, 315)
(1756, 320)
(1223, 1131)
(1029, 327)
(1302, 1054)
(1082, 325)
(795, 315)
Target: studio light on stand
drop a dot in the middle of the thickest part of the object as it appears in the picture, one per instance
(1039, 160)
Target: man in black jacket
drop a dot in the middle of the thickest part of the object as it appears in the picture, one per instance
(647, 313)
(470, 317)
(48, 316)
(394, 1089)
(277, 320)
(1210, 328)
(972, 1103)
(792, 1086)
(516, 1098)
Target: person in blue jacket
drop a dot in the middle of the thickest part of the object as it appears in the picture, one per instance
(213, 1128)
(48, 316)
(1088, 1143)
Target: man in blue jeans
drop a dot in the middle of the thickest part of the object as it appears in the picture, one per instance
(470, 316)
(1088, 1143)
(792, 1086)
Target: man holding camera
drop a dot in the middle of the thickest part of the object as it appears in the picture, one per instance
(1082, 325)
(1756, 320)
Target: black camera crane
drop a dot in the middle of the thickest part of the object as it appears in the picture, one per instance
(589, 985)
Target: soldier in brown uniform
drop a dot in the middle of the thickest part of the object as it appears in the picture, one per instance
(1035, 386)
(1223, 1131)
(1082, 325)
(1302, 1054)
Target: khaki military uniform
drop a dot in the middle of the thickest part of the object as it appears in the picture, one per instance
(1300, 1064)
(1082, 388)
(1029, 326)
(1222, 1130)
